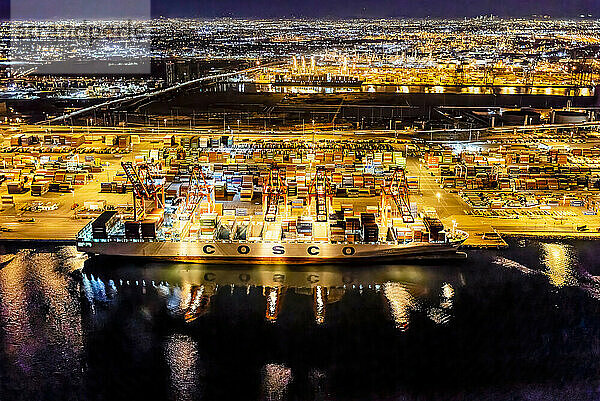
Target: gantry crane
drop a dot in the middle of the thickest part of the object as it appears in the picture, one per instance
(198, 190)
(396, 191)
(321, 191)
(273, 193)
(148, 185)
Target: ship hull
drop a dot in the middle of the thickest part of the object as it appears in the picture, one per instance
(272, 253)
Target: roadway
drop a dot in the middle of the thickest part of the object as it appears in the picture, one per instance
(119, 102)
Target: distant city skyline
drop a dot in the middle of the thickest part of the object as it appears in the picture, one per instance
(375, 8)
(53, 9)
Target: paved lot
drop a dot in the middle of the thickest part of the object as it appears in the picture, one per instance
(58, 224)
(451, 208)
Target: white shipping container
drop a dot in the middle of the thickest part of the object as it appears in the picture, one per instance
(95, 205)
(320, 231)
(272, 231)
(255, 230)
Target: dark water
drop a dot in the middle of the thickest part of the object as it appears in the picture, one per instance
(517, 324)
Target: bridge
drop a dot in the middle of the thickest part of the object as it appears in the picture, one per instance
(133, 99)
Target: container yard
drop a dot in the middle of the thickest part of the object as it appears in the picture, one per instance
(215, 186)
(518, 175)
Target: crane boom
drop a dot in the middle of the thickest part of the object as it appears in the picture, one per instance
(397, 190)
(144, 185)
(273, 192)
(321, 192)
(139, 187)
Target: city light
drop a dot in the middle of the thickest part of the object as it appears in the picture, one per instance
(242, 201)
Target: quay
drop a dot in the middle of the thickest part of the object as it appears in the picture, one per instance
(35, 214)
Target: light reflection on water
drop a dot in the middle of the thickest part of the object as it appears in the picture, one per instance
(320, 300)
(558, 260)
(188, 291)
(185, 332)
(401, 303)
(275, 380)
(181, 355)
(40, 323)
(273, 303)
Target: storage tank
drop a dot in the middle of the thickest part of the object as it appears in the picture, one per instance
(569, 117)
(521, 117)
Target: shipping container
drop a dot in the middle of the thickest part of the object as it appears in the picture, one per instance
(103, 224)
(39, 188)
(133, 230)
(16, 187)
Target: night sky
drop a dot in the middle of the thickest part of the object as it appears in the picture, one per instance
(375, 8)
(49, 9)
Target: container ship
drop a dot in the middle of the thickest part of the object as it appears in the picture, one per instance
(290, 230)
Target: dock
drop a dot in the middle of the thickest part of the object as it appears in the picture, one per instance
(485, 240)
(63, 214)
